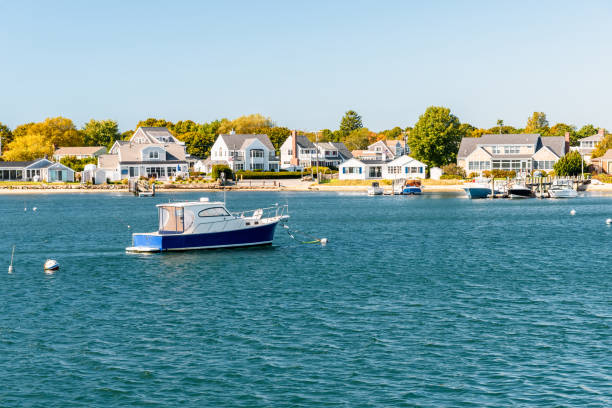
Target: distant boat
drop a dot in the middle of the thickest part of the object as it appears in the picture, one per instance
(375, 189)
(205, 225)
(562, 189)
(51, 265)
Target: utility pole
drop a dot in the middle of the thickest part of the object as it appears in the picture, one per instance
(317, 148)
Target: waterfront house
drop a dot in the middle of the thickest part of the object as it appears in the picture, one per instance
(243, 152)
(80, 152)
(403, 167)
(588, 144)
(35, 170)
(603, 163)
(298, 152)
(150, 152)
(382, 150)
(519, 152)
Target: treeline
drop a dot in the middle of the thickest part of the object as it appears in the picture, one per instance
(434, 139)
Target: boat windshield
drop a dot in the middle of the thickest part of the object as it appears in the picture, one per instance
(171, 219)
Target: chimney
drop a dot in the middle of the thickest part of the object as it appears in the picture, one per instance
(567, 142)
(294, 152)
(600, 132)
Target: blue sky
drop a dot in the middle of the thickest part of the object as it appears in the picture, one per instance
(305, 63)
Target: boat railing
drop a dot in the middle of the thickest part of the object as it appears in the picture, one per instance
(267, 212)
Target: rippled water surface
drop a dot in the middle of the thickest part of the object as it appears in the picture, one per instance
(426, 301)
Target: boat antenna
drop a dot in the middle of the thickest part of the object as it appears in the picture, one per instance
(10, 268)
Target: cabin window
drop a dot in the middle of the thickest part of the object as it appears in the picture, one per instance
(213, 212)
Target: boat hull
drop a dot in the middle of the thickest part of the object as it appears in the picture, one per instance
(261, 235)
(519, 193)
(562, 193)
(411, 191)
(477, 192)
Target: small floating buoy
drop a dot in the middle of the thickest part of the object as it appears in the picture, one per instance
(323, 241)
(573, 212)
(609, 221)
(129, 227)
(51, 265)
(25, 209)
(34, 209)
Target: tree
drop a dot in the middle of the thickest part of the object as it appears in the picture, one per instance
(42, 138)
(77, 164)
(500, 125)
(100, 133)
(585, 131)
(569, 165)
(326, 135)
(127, 135)
(560, 129)
(6, 137)
(22, 130)
(350, 122)
(392, 134)
(198, 143)
(185, 126)
(152, 122)
(358, 139)
(537, 123)
(277, 135)
(603, 146)
(245, 124)
(436, 136)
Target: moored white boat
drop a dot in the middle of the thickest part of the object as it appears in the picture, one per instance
(519, 190)
(375, 189)
(562, 189)
(51, 265)
(206, 224)
(479, 188)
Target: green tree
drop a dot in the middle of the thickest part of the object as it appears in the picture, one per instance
(77, 164)
(277, 135)
(127, 135)
(500, 125)
(537, 123)
(245, 124)
(326, 135)
(153, 122)
(100, 133)
(393, 134)
(6, 137)
(185, 126)
(435, 138)
(585, 131)
(198, 143)
(603, 146)
(217, 169)
(569, 165)
(358, 139)
(350, 122)
(22, 130)
(559, 129)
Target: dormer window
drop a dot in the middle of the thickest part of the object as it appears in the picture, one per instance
(153, 155)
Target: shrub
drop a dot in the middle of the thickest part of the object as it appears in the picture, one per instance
(322, 169)
(453, 169)
(570, 165)
(604, 178)
(487, 174)
(473, 174)
(450, 177)
(124, 181)
(497, 173)
(218, 168)
(262, 175)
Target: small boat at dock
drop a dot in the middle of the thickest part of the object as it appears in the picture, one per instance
(479, 188)
(562, 189)
(412, 187)
(375, 189)
(208, 224)
(519, 190)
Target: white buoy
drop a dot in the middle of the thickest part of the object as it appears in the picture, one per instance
(323, 241)
(609, 221)
(573, 212)
(34, 209)
(51, 265)
(129, 227)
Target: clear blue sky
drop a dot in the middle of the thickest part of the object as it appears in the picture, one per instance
(305, 63)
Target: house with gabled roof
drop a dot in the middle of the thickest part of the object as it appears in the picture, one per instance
(298, 152)
(603, 163)
(150, 152)
(80, 152)
(588, 144)
(35, 170)
(243, 152)
(519, 152)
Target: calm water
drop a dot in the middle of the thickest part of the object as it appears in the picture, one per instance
(428, 301)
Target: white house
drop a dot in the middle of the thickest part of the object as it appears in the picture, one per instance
(404, 167)
(150, 152)
(588, 144)
(37, 170)
(382, 150)
(519, 152)
(243, 152)
(299, 152)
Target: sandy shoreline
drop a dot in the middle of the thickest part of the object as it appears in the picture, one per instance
(294, 187)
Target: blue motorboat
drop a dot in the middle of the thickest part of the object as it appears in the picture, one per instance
(477, 189)
(409, 187)
(205, 225)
